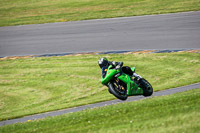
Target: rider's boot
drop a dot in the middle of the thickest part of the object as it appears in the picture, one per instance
(136, 77)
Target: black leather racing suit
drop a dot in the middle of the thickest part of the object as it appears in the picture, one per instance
(125, 69)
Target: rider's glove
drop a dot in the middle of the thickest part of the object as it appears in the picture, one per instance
(117, 67)
(114, 63)
(120, 64)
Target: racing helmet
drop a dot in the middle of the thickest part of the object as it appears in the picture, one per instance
(103, 62)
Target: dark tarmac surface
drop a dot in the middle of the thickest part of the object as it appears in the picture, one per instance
(167, 31)
(101, 104)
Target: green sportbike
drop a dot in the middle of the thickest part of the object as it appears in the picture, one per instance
(121, 85)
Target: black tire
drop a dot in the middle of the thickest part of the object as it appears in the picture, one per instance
(113, 90)
(109, 90)
(146, 86)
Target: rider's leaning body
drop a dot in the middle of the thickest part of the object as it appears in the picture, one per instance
(104, 64)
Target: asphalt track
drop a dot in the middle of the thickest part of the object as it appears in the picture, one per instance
(167, 31)
(101, 104)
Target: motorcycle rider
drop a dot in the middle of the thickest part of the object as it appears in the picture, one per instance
(104, 64)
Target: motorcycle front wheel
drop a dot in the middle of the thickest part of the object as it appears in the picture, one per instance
(122, 95)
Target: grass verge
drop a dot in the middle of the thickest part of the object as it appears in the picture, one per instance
(35, 85)
(174, 113)
(20, 12)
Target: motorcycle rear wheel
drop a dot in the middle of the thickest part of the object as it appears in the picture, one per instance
(146, 86)
(115, 92)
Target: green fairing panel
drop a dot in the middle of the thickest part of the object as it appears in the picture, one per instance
(132, 87)
(109, 75)
(104, 80)
(135, 91)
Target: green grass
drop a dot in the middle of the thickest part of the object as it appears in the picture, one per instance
(20, 12)
(175, 113)
(35, 85)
